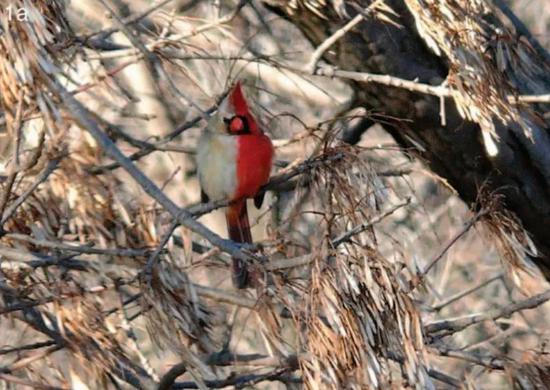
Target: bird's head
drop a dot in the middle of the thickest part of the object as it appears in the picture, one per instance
(233, 116)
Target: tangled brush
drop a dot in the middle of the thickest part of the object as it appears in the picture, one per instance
(106, 282)
(350, 305)
(487, 65)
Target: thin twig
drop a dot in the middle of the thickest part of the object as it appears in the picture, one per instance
(132, 19)
(241, 381)
(453, 325)
(26, 347)
(154, 46)
(289, 363)
(151, 261)
(331, 40)
(345, 237)
(462, 294)
(485, 361)
(326, 70)
(30, 384)
(225, 296)
(36, 260)
(50, 167)
(452, 241)
(278, 264)
(147, 148)
(85, 249)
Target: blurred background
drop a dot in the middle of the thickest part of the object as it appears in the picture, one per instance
(162, 101)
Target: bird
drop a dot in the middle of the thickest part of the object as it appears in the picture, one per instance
(234, 160)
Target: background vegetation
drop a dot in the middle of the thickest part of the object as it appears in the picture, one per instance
(392, 258)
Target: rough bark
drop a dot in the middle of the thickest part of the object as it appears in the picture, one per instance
(455, 151)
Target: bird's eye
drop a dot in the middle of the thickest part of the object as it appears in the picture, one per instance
(237, 125)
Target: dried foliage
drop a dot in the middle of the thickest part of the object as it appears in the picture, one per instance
(358, 316)
(27, 60)
(487, 63)
(368, 273)
(532, 372)
(513, 244)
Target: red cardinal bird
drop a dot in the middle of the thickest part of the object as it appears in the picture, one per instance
(234, 160)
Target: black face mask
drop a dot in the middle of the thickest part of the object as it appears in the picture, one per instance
(237, 125)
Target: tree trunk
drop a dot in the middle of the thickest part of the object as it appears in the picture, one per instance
(520, 172)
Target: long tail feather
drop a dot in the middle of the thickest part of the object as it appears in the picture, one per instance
(238, 227)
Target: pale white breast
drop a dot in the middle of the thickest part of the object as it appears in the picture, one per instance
(217, 165)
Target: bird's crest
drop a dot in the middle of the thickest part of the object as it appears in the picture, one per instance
(238, 100)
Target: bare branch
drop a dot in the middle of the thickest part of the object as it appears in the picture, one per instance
(452, 241)
(449, 326)
(327, 43)
(345, 237)
(50, 167)
(467, 292)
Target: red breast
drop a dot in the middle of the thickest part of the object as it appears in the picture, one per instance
(254, 159)
(234, 157)
(255, 150)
